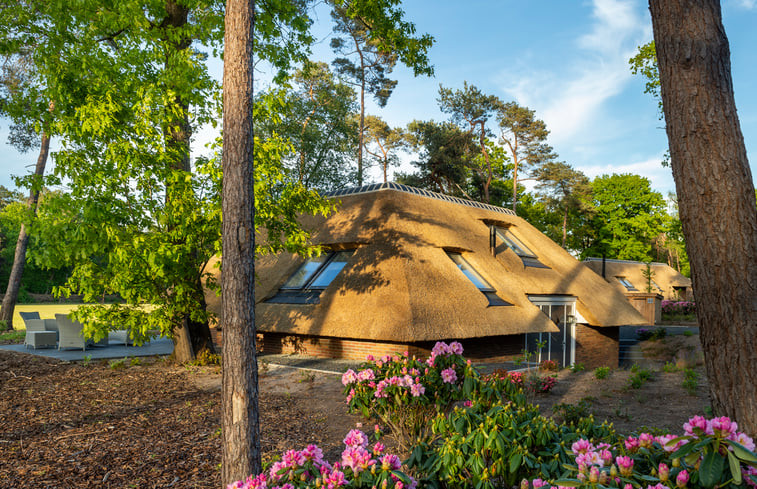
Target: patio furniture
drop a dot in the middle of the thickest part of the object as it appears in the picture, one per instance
(69, 333)
(33, 326)
(41, 339)
(51, 325)
(121, 336)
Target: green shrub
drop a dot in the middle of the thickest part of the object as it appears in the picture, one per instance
(669, 367)
(688, 332)
(690, 381)
(572, 414)
(601, 372)
(117, 364)
(639, 378)
(577, 367)
(488, 447)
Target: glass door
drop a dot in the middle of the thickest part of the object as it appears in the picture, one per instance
(558, 346)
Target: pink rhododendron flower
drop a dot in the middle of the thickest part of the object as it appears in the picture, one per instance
(746, 472)
(349, 377)
(682, 478)
(293, 458)
(590, 459)
(378, 448)
(582, 446)
(449, 375)
(440, 348)
(417, 390)
(334, 479)
(390, 462)
(456, 348)
(663, 471)
(625, 465)
(606, 456)
(658, 486)
(744, 440)
(356, 438)
(537, 483)
(722, 427)
(646, 440)
(366, 374)
(369, 358)
(594, 474)
(632, 444)
(695, 422)
(357, 458)
(468, 403)
(312, 452)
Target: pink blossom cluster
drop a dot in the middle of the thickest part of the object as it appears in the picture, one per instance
(443, 349)
(539, 483)
(414, 384)
(352, 377)
(721, 427)
(587, 455)
(307, 469)
(449, 375)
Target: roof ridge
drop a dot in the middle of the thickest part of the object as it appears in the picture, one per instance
(376, 187)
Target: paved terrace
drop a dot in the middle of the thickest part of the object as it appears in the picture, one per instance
(158, 346)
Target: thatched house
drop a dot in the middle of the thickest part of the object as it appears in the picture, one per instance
(628, 276)
(408, 267)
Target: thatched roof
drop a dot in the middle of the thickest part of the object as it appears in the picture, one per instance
(400, 284)
(665, 276)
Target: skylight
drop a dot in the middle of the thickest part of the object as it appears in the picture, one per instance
(477, 279)
(527, 256)
(628, 285)
(307, 283)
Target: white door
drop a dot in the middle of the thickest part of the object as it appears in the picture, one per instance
(559, 346)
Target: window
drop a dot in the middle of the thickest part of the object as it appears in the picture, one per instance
(307, 283)
(527, 256)
(628, 285)
(477, 279)
(654, 284)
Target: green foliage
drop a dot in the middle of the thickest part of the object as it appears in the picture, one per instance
(628, 217)
(690, 381)
(639, 378)
(15, 336)
(669, 368)
(572, 414)
(648, 275)
(206, 358)
(601, 372)
(490, 446)
(577, 367)
(117, 364)
(644, 63)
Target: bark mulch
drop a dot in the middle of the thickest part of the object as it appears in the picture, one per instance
(73, 425)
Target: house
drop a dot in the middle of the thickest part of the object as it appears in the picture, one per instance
(628, 276)
(406, 267)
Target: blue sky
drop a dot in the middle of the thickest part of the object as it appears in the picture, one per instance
(566, 60)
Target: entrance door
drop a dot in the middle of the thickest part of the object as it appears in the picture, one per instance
(559, 346)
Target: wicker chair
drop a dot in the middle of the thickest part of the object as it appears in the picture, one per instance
(69, 333)
(45, 338)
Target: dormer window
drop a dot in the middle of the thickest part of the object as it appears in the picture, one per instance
(306, 284)
(654, 284)
(477, 279)
(527, 256)
(628, 285)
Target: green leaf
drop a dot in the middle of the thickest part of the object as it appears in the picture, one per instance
(742, 452)
(515, 462)
(684, 450)
(568, 482)
(711, 469)
(735, 467)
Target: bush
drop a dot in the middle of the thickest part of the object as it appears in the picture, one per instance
(672, 310)
(601, 372)
(577, 367)
(548, 366)
(644, 334)
(690, 381)
(406, 393)
(358, 469)
(710, 453)
(572, 414)
(639, 377)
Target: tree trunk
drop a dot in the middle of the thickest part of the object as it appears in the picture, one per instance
(716, 196)
(240, 423)
(515, 182)
(19, 258)
(565, 226)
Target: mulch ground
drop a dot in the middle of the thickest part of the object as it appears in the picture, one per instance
(74, 426)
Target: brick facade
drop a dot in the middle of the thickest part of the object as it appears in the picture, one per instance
(597, 347)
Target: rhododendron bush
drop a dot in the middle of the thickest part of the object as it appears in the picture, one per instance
(406, 392)
(361, 466)
(710, 454)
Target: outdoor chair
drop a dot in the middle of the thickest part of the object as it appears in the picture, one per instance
(121, 336)
(69, 333)
(28, 315)
(37, 336)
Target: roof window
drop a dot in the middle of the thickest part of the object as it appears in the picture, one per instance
(628, 285)
(527, 256)
(313, 276)
(477, 279)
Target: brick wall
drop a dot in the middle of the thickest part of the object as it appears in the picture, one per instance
(597, 347)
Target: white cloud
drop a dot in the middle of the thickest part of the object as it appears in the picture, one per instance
(570, 101)
(660, 177)
(747, 4)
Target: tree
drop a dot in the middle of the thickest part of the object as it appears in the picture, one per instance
(319, 120)
(472, 109)
(628, 215)
(22, 101)
(443, 152)
(716, 196)
(372, 36)
(564, 188)
(383, 142)
(525, 136)
(241, 425)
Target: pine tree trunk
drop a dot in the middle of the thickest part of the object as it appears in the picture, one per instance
(19, 258)
(716, 196)
(240, 423)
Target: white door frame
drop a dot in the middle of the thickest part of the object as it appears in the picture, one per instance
(570, 321)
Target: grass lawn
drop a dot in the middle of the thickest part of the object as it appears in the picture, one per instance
(46, 311)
